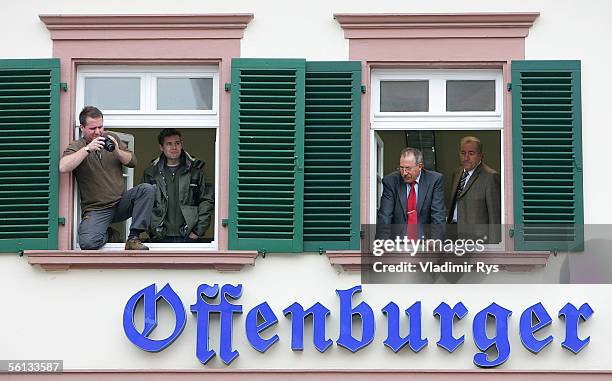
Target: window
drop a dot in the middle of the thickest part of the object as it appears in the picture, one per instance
(139, 101)
(404, 96)
(432, 110)
(446, 99)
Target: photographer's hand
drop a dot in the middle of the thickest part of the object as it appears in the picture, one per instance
(96, 144)
(124, 156)
(69, 162)
(113, 140)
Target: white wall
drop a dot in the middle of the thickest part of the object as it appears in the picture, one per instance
(76, 315)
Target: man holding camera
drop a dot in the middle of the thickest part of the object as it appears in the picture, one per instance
(97, 160)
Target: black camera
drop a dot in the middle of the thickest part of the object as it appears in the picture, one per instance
(108, 144)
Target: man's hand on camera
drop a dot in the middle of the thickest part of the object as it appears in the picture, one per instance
(96, 144)
(193, 236)
(114, 141)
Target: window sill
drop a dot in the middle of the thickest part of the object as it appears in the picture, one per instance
(507, 260)
(61, 260)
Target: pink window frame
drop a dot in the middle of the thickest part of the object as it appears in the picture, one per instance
(429, 41)
(143, 39)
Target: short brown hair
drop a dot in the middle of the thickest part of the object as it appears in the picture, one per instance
(89, 112)
(168, 132)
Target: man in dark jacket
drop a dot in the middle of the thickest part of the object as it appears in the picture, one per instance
(184, 200)
(412, 196)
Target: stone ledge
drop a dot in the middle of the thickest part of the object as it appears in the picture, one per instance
(61, 260)
(507, 260)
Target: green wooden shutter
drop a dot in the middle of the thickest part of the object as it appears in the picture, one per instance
(547, 155)
(331, 155)
(29, 154)
(267, 153)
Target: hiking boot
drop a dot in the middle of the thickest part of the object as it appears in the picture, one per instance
(135, 244)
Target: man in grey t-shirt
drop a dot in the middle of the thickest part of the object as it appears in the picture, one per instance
(98, 171)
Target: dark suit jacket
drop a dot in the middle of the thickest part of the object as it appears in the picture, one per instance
(430, 205)
(479, 205)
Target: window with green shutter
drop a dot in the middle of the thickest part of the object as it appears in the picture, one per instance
(547, 155)
(29, 154)
(295, 128)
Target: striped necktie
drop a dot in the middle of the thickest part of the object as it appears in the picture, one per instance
(462, 182)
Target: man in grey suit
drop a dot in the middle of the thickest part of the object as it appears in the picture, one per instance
(400, 207)
(476, 200)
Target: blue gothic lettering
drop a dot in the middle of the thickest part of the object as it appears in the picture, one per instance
(261, 317)
(364, 311)
(499, 341)
(202, 309)
(319, 312)
(447, 317)
(538, 313)
(150, 298)
(253, 329)
(572, 317)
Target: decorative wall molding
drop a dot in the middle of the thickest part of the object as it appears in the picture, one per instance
(108, 27)
(314, 374)
(371, 25)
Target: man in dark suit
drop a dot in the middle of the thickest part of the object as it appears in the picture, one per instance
(476, 200)
(412, 196)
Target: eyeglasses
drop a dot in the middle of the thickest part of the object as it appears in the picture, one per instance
(407, 169)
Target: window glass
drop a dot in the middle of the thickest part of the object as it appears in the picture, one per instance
(184, 93)
(404, 96)
(113, 93)
(470, 95)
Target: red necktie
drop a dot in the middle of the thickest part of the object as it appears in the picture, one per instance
(412, 213)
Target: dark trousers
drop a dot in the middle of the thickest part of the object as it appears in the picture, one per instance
(136, 203)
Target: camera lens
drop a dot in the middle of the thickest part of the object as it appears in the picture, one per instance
(108, 144)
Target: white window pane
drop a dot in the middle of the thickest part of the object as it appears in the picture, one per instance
(470, 95)
(404, 96)
(113, 93)
(184, 93)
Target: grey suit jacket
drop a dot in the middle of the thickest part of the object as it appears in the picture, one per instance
(479, 205)
(430, 204)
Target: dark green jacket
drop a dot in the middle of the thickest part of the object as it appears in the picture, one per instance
(196, 196)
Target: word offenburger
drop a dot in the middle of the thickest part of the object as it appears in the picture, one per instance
(351, 318)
